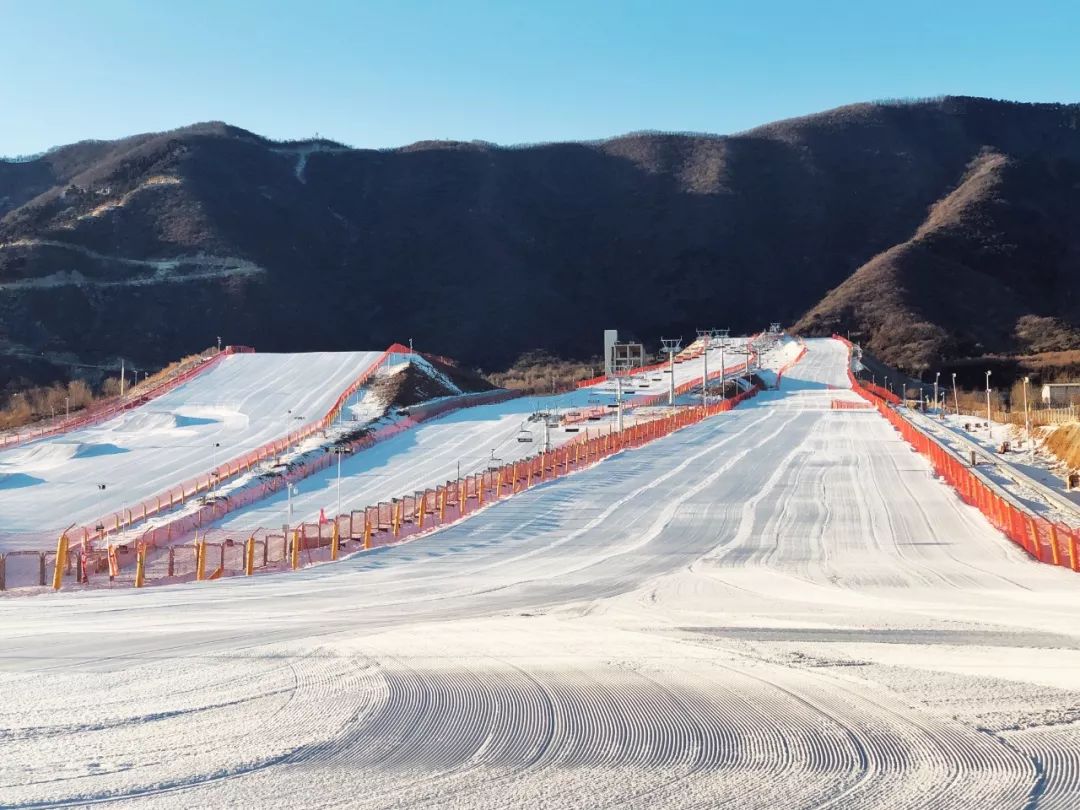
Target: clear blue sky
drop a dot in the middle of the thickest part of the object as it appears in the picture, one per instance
(390, 73)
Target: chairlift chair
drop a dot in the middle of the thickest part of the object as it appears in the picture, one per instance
(525, 435)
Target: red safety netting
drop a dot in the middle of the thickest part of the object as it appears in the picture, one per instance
(232, 552)
(784, 369)
(1045, 540)
(204, 486)
(691, 352)
(215, 508)
(422, 511)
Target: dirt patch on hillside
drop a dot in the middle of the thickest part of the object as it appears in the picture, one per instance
(409, 387)
(467, 380)
(1064, 442)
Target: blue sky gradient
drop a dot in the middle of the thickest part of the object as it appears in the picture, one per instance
(378, 74)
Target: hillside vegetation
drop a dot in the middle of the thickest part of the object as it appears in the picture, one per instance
(938, 230)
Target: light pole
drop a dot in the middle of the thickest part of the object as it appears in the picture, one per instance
(290, 490)
(937, 375)
(339, 451)
(956, 397)
(706, 336)
(67, 407)
(671, 346)
(214, 470)
(723, 368)
(887, 383)
(988, 419)
(1027, 419)
(101, 526)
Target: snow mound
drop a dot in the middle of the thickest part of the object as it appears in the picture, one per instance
(148, 421)
(158, 421)
(17, 480)
(54, 454)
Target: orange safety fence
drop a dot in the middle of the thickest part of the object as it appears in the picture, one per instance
(219, 552)
(217, 508)
(691, 352)
(594, 414)
(183, 492)
(857, 384)
(784, 369)
(1045, 540)
(691, 385)
(95, 414)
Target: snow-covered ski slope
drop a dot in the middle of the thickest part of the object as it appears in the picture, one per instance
(243, 402)
(777, 608)
(464, 442)
(428, 454)
(689, 370)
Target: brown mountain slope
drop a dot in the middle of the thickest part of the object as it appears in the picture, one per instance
(150, 247)
(991, 269)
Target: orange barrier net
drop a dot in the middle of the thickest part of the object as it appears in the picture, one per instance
(1045, 540)
(98, 531)
(217, 553)
(848, 405)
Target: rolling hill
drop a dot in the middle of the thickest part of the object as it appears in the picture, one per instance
(937, 229)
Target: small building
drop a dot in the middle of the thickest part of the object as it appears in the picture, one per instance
(1055, 395)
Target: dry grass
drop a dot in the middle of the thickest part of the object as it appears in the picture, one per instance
(1064, 442)
(538, 372)
(43, 402)
(46, 402)
(172, 369)
(974, 402)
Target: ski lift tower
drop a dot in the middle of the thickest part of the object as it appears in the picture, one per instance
(707, 336)
(622, 366)
(722, 338)
(550, 421)
(672, 347)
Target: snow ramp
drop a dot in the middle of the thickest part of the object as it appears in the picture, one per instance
(241, 404)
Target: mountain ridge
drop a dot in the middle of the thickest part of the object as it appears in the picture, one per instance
(484, 251)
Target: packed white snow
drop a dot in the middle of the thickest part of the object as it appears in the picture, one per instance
(241, 403)
(777, 608)
(462, 443)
